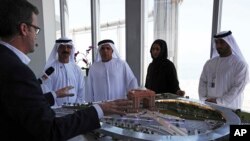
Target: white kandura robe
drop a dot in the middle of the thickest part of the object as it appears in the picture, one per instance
(66, 75)
(229, 77)
(109, 80)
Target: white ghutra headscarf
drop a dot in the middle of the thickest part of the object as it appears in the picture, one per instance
(111, 43)
(54, 54)
(229, 39)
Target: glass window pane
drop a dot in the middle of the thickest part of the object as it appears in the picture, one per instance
(195, 24)
(235, 17)
(112, 20)
(79, 25)
(148, 35)
(58, 20)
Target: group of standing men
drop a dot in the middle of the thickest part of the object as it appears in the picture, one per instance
(109, 77)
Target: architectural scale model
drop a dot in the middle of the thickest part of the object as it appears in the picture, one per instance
(141, 99)
(171, 119)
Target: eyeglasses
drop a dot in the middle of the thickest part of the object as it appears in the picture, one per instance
(37, 29)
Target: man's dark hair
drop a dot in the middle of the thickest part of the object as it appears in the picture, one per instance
(13, 13)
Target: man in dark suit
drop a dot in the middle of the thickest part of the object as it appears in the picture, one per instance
(25, 112)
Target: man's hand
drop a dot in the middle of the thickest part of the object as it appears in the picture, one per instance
(64, 92)
(213, 100)
(119, 107)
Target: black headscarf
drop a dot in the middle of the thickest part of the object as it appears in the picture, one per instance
(161, 73)
(164, 50)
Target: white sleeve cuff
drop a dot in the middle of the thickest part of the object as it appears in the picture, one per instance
(99, 110)
(54, 95)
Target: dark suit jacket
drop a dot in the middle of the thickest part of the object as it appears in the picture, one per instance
(25, 112)
(50, 98)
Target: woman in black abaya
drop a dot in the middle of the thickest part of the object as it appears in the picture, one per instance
(161, 73)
